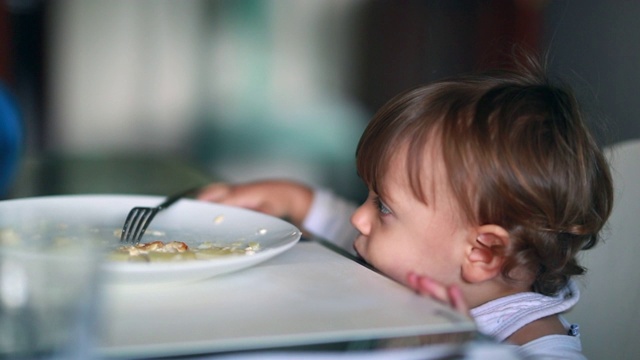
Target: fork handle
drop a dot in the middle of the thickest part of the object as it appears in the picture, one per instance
(175, 197)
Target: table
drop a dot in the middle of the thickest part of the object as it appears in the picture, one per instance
(309, 295)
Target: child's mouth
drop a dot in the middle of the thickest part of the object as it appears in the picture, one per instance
(361, 260)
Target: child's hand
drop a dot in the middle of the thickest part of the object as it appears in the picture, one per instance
(450, 295)
(280, 198)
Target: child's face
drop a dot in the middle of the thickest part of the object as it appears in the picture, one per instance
(400, 234)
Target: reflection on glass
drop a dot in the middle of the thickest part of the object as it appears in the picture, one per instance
(48, 291)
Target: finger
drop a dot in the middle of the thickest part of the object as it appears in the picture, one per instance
(412, 279)
(269, 209)
(426, 286)
(214, 192)
(450, 295)
(434, 289)
(457, 300)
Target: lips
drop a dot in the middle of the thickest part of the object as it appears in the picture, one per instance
(359, 258)
(356, 250)
(359, 238)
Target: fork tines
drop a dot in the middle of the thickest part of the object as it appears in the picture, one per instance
(136, 224)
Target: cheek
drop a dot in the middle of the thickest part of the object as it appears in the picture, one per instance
(396, 255)
(381, 254)
(389, 264)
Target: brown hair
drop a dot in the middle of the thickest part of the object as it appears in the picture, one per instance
(517, 154)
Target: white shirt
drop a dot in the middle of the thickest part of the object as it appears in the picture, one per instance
(502, 317)
(329, 217)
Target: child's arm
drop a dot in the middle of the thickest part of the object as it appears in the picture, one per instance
(318, 211)
(280, 198)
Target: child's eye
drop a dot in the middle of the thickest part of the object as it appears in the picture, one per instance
(382, 208)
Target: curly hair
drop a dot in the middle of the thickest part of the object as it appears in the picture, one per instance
(517, 154)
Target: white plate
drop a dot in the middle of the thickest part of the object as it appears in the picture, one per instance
(190, 221)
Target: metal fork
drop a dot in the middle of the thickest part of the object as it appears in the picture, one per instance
(140, 217)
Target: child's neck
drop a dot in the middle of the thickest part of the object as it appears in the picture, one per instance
(481, 293)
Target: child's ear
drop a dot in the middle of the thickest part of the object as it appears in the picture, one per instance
(485, 254)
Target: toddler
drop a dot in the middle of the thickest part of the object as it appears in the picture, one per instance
(482, 191)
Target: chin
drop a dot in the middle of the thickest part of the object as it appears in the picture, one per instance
(361, 259)
(358, 254)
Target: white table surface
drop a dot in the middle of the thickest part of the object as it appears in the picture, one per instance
(308, 295)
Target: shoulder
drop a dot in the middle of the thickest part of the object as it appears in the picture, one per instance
(503, 317)
(553, 347)
(550, 325)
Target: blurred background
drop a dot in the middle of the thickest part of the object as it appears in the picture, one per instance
(248, 89)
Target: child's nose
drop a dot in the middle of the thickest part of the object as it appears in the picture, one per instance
(360, 221)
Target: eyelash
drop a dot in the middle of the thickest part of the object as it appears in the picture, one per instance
(382, 208)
